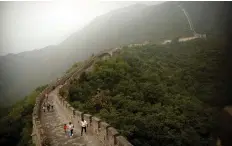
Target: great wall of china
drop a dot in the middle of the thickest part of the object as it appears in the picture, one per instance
(99, 130)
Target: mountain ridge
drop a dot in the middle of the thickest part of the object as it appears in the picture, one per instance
(167, 22)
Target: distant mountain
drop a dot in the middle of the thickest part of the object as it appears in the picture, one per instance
(132, 24)
(209, 17)
(20, 73)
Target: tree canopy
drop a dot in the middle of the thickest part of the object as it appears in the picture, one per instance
(16, 122)
(157, 94)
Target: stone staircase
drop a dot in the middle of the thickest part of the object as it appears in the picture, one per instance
(53, 122)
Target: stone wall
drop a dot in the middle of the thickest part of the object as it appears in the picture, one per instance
(103, 131)
(108, 135)
(38, 135)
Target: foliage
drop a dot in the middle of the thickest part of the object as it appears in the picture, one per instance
(74, 67)
(16, 125)
(156, 95)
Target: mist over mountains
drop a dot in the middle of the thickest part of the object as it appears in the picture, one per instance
(23, 72)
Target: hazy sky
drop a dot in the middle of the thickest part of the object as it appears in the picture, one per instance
(32, 25)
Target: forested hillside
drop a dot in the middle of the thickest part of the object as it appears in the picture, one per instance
(133, 24)
(16, 121)
(157, 95)
(21, 73)
(154, 94)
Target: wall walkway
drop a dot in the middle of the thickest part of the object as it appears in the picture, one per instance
(48, 126)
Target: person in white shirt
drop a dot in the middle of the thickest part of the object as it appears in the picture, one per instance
(70, 128)
(83, 125)
(44, 108)
(46, 96)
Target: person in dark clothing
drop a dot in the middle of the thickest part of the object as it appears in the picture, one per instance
(48, 107)
(52, 106)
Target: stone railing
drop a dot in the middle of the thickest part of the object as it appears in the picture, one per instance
(103, 131)
(106, 134)
(38, 135)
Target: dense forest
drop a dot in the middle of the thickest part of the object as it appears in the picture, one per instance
(16, 121)
(157, 94)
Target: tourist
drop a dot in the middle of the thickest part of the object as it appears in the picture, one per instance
(70, 127)
(48, 107)
(52, 106)
(83, 126)
(46, 96)
(44, 108)
(65, 129)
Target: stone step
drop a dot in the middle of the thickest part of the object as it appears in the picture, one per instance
(53, 123)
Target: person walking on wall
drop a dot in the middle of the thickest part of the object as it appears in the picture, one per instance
(44, 108)
(70, 127)
(52, 106)
(65, 129)
(46, 96)
(48, 107)
(83, 125)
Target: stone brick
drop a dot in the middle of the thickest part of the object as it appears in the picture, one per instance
(78, 116)
(103, 133)
(96, 125)
(65, 104)
(112, 133)
(69, 108)
(72, 110)
(62, 102)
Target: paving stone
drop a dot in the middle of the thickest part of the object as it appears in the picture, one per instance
(53, 122)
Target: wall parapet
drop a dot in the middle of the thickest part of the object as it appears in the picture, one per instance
(104, 132)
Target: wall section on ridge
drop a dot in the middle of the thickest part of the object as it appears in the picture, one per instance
(101, 130)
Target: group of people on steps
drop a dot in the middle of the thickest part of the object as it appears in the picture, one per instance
(68, 128)
(47, 105)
